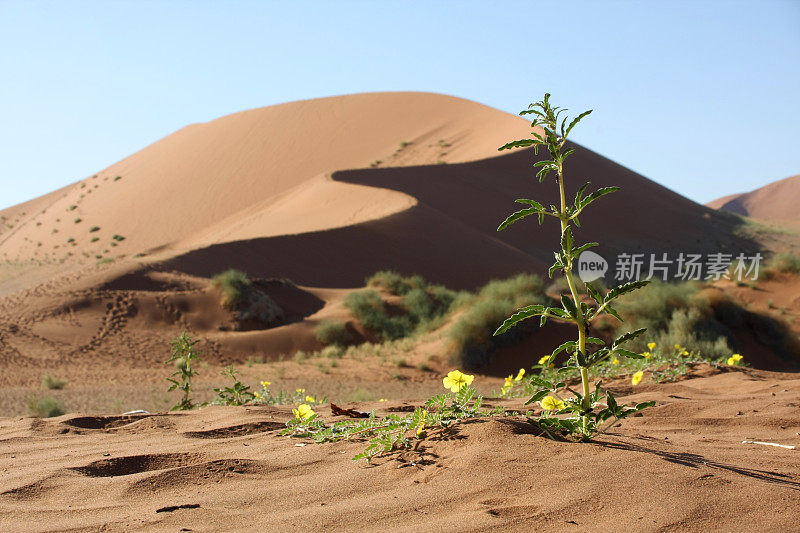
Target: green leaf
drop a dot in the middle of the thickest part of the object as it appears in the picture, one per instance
(629, 354)
(594, 293)
(597, 194)
(624, 289)
(518, 215)
(567, 241)
(569, 305)
(522, 143)
(537, 396)
(644, 405)
(519, 316)
(595, 340)
(575, 121)
(534, 203)
(583, 247)
(625, 337)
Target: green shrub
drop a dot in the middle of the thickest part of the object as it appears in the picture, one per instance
(786, 263)
(470, 338)
(368, 307)
(44, 406)
(94, 228)
(333, 332)
(233, 284)
(118, 238)
(53, 383)
(395, 283)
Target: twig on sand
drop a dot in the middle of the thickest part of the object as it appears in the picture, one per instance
(768, 444)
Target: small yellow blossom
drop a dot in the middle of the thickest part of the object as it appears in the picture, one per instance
(651, 346)
(678, 347)
(456, 380)
(266, 384)
(303, 412)
(551, 403)
(520, 374)
(544, 359)
(383, 400)
(647, 355)
(615, 361)
(257, 395)
(301, 391)
(421, 426)
(310, 399)
(734, 359)
(507, 386)
(684, 353)
(637, 377)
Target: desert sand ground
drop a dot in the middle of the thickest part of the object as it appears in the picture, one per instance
(681, 466)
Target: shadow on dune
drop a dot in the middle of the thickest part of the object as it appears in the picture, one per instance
(450, 236)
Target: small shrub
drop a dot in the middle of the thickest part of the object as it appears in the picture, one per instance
(52, 383)
(44, 406)
(333, 332)
(184, 355)
(118, 238)
(785, 263)
(78, 220)
(368, 307)
(118, 178)
(233, 284)
(94, 228)
(94, 239)
(394, 282)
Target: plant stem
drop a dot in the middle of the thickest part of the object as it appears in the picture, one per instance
(579, 318)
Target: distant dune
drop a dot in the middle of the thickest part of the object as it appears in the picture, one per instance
(777, 201)
(321, 192)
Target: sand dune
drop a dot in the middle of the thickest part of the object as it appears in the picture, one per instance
(776, 201)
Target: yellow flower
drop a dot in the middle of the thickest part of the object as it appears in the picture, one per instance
(304, 412)
(684, 352)
(734, 359)
(647, 355)
(257, 395)
(422, 423)
(301, 391)
(383, 400)
(456, 380)
(520, 374)
(266, 384)
(637, 377)
(551, 403)
(678, 347)
(310, 399)
(615, 361)
(544, 359)
(651, 346)
(507, 386)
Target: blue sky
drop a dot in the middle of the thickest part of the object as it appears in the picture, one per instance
(701, 96)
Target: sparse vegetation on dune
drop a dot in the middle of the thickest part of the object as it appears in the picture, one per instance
(333, 332)
(52, 383)
(233, 284)
(784, 263)
(252, 306)
(44, 406)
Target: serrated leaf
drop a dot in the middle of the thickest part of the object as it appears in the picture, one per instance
(522, 143)
(625, 337)
(627, 353)
(518, 215)
(522, 314)
(575, 121)
(618, 291)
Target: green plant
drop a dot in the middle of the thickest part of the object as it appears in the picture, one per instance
(368, 307)
(52, 383)
(118, 238)
(94, 228)
(585, 414)
(333, 332)
(395, 431)
(44, 407)
(236, 394)
(470, 340)
(233, 284)
(786, 263)
(184, 354)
